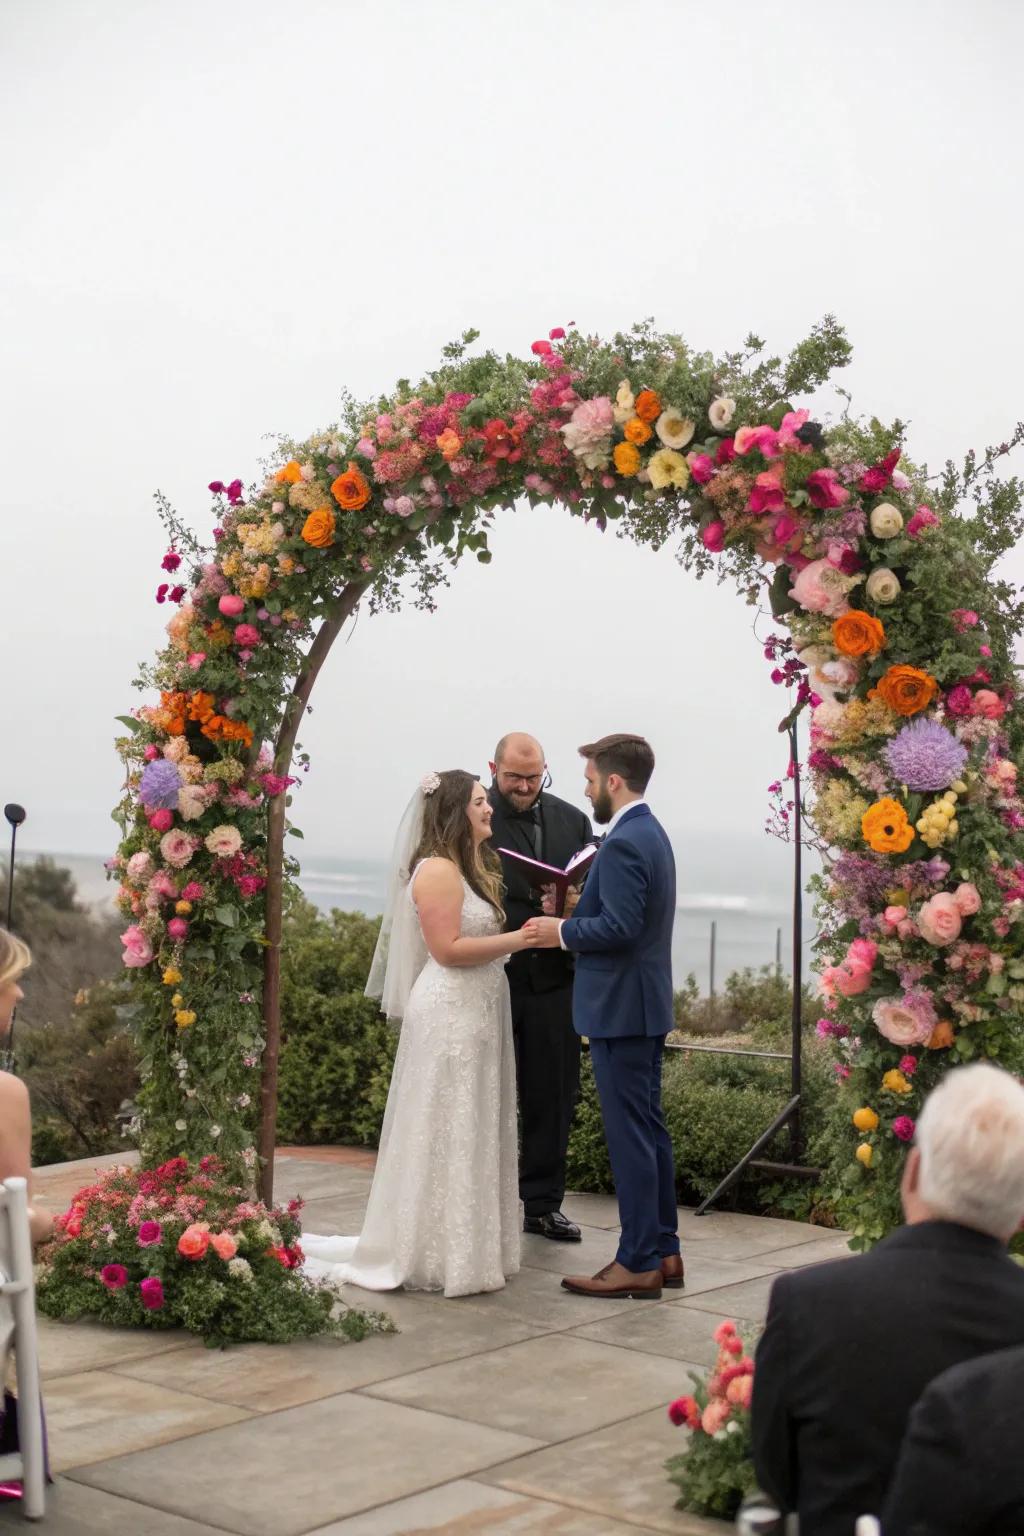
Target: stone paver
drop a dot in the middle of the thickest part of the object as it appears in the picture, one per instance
(527, 1410)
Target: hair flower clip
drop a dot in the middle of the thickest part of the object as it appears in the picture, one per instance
(429, 783)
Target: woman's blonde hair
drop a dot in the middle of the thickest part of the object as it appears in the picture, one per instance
(15, 957)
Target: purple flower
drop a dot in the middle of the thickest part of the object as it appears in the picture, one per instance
(903, 1128)
(926, 756)
(161, 781)
(150, 1232)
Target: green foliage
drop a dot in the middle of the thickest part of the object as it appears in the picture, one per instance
(713, 1475)
(80, 1074)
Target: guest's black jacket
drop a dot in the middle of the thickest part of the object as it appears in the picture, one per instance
(961, 1471)
(564, 831)
(849, 1347)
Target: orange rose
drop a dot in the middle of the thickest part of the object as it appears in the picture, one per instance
(450, 444)
(351, 490)
(856, 633)
(941, 1036)
(290, 475)
(886, 828)
(318, 529)
(907, 690)
(648, 405)
(627, 458)
(637, 431)
(193, 1242)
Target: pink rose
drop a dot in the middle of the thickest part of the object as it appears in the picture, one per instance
(967, 899)
(904, 1021)
(959, 700)
(988, 704)
(865, 950)
(702, 467)
(894, 916)
(939, 920)
(231, 605)
(247, 635)
(907, 929)
(161, 821)
(817, 589)
(223, 1245)
(713, 537)
(138, 951)
(848, 979)
(767, 494)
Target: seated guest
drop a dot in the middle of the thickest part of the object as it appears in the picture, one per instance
(960, 1472)
(849, 1347)
(15, 1119)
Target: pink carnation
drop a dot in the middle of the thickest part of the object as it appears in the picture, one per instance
(161, 821)
(177, 848)
(959, 700)
(114, 1276)
(939, 921)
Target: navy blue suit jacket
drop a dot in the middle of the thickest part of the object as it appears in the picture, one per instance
(621, 933)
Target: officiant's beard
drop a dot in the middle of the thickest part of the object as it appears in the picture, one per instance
(517, 801)
(602, 806)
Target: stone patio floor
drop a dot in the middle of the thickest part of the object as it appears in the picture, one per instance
(528, 1410)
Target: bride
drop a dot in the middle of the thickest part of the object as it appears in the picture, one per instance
(444, 1207)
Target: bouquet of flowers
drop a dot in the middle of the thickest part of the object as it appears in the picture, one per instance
(715, 1473)
(182, 1246)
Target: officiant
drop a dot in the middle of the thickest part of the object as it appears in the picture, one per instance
(530, 821)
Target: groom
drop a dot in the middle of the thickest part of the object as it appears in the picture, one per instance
(621, 934)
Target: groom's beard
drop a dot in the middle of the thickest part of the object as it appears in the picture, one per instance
(603, 808)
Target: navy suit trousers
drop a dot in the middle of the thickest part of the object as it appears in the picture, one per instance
(627, 1070)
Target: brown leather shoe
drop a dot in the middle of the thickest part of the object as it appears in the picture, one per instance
(615, 1283)
(672, 1272)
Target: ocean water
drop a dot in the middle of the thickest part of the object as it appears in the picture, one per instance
(745, 894)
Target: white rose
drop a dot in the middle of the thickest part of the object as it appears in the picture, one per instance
(883, 585)
(674, 430)
(721, 412)
(624, 402)
(886, 520)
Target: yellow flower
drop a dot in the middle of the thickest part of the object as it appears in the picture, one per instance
(865, 1119)
(172, 976)
(667, 467)
(885, 827)
(176, 1000)
(895, 1082)
(864, 1154)
(184, 1017)
(183, 908)
(627, 458)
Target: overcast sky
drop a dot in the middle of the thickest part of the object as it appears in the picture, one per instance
(215, 216)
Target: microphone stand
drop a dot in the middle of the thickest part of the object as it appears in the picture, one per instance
(15, 815)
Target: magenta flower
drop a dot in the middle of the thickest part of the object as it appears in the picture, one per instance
(903, 1128)
(150, 1233)
(825, 490)
(231, 605)
(908, 1065)
(114, 1276)
(702, 467)
(539, 348)
(170, 561)
(767, 494)
(964, 618)
(959, 700)
(177, 928)
(247, 635)
(152, 1293)
(162, 591)
(713, 537)
(923, 518)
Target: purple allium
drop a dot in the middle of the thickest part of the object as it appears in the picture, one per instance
(926, 756)
(161, 781)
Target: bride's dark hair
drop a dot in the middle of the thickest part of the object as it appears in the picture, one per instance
(447, 834)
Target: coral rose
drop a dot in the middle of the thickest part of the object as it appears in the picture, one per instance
(193, 1242)
(939, 920)
(351, 490)
(223, 1245)
(450, 444)
(648, 405)
(856, 633)
(318, 529)
(637, 431)
(627, 458)
(885, 827)
(907, 690)
(988, 704)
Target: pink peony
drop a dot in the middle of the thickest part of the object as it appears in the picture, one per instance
(702, 467)
(967, 899)
(818, 589)
(959, 700)
(150, 1233)
(988, 704)
(231, 605)
(904, 1021)
(894, 916)
(152, 1293)
(161, 821)
(588, 430)
(247, 635)
(138, 951)
(939, 921)
(713, 537)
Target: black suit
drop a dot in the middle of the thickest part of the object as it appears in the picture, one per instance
(540, 981)
(960, 1471)
(849, 1347)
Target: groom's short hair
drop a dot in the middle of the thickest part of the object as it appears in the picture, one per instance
(631, 757)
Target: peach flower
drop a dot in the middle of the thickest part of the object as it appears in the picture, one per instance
(939, 921)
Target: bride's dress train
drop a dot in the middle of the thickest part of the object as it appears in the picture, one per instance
(444, 1212)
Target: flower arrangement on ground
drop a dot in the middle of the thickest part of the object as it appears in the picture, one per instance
(715, 1473)
(185, 1247)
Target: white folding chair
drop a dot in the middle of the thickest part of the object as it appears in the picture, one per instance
(18, 1323)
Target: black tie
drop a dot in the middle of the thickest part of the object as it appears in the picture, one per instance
(534, 831)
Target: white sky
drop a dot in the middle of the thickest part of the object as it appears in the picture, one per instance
(214, 216)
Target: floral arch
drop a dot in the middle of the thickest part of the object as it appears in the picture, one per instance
(899, 643)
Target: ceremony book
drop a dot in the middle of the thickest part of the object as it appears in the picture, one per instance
(540, 875)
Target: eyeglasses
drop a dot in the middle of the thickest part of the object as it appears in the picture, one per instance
(531, 780)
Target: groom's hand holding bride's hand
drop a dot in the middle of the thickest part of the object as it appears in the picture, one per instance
(542, 933)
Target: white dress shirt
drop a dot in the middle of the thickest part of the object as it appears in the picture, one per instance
(630, 805)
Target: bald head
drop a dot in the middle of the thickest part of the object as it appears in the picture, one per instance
(518, 769)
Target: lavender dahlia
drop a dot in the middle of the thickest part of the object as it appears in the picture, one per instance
(926, 756)
(161, 781)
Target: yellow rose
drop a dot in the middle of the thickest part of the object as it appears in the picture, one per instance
(172, 976)
(895, 1082)
(864, 1154)
(176, 1000)
(184, 1017)
(667, 467)
(865, 1119)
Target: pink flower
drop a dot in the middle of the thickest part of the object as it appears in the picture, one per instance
(247, 635)
(588, 430)
(702, 467)
(114, 1276)
(150, 1233)
(557, 334)
(876, 478)
(767, 494)
(250, 885)
(964, 618)
(988, 704)
(193, 891)
(163, 886)
(903, 1128)
(177, 928)
(904, 1021)
(908, 1065)
(223, 1245)
(939, 920)
(152, 1293)
(231, 605)
(825, 490)
(715, 1416)
(713, 537)
(865, 950)
(151, 753)
(196, 660)
(907, 929)
(224, 842)
(539, 348)
(161, 821)
(177, 848)
(849, 979)
(894, 916)
(959, 700)
(725, 1330)
(170, 561)
(967, 899)
(740, 1391)
(923, 518)
(138, 951)
(193, 1242)
(818, 589)
(139, 867)
(685, 1411)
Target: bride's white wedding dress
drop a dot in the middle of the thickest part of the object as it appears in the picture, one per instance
(444, 1212)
